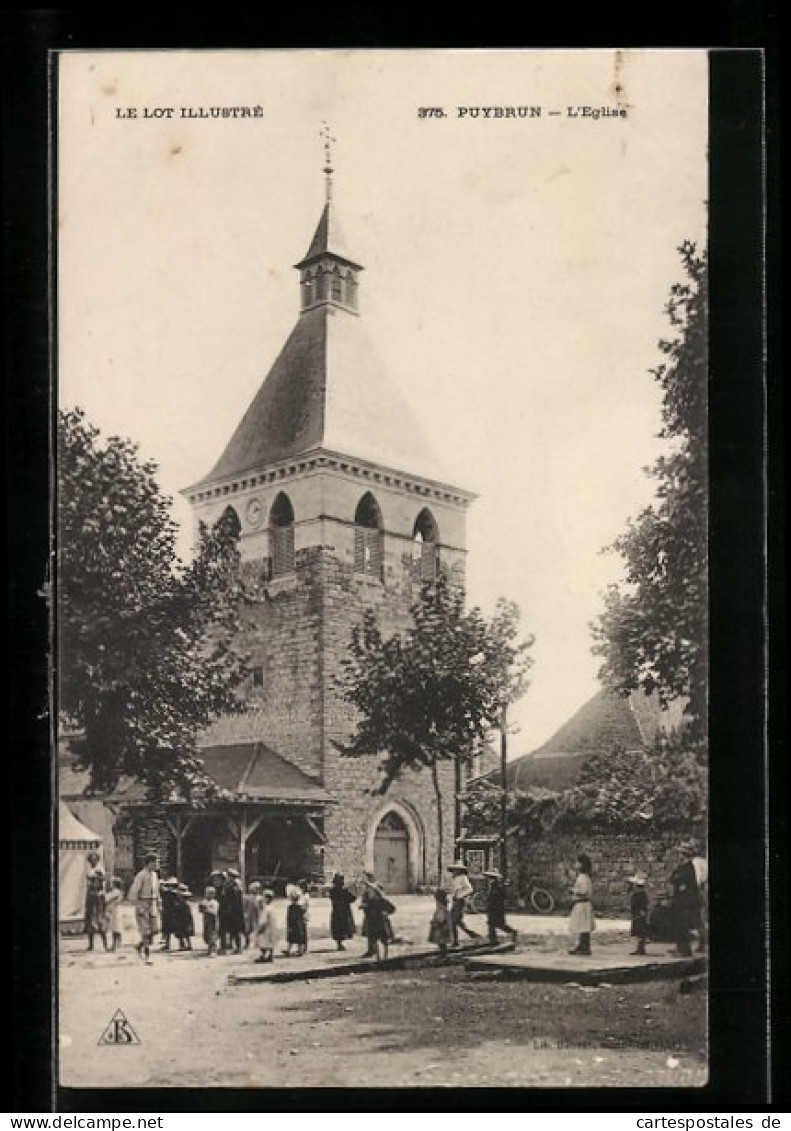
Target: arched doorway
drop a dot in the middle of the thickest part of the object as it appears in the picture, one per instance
(391, 854)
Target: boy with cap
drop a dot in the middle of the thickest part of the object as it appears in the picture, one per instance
(460, 891)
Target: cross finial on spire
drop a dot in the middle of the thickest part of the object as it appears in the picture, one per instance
(328, 169)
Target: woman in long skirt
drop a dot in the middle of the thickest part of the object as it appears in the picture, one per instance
(296, 933)
(378, 909)
(265, 937)
(581, 921)
(341, 919)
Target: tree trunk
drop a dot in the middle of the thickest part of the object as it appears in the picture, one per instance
(438, 795)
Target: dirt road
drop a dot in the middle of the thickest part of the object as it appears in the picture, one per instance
(410, 1028)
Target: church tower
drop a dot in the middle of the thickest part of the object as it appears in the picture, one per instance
(341, 507)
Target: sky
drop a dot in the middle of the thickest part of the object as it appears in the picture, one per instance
(516, 273)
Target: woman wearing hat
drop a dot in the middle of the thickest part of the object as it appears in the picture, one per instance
(460, 891)
(495, 906)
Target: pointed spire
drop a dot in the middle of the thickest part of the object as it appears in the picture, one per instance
(328, 274)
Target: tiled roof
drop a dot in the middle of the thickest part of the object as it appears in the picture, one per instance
(247, 769)
(253, 770)
(605, 721)
(327, 390)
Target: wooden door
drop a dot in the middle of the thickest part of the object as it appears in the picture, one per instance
(391, 855)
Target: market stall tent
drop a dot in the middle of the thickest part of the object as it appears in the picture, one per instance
(75, 841)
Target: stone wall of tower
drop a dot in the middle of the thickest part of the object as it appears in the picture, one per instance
(283, 637)
(299, 633)
(350, 826)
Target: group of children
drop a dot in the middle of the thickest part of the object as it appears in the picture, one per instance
(233, 918)
(229, 916)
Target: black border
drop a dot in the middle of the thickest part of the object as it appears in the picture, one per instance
(738, 1014)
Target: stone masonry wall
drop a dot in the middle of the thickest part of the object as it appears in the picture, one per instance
(350, 825)
(549, 861)
(300, 633)
(151, 834)
(284, 637)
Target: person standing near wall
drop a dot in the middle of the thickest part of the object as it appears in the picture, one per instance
(685, 900)
(701, 866)
(581, 921)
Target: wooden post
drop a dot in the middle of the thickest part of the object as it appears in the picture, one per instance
(246, 830)
(178, 828)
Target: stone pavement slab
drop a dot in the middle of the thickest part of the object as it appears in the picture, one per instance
(333, 964)
(612, 964)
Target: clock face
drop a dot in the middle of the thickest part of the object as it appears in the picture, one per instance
(255, 512)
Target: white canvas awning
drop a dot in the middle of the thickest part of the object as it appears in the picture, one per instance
(75, 840)
(72, 833)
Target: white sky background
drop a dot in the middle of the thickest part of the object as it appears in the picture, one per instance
(516, 276)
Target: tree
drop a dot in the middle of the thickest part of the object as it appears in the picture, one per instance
(146, 654)
(653, 633)
(433, 693)
(659, 787)
(535, 808)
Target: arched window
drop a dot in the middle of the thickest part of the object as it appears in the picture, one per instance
(229, 521)
(426, 536)
(281, 536)
(368, 537)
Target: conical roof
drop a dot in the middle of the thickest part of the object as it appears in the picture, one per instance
(328, 389)
(328, 239)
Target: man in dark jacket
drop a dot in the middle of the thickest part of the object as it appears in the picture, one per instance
(231, 916)
(495, 907)
(685, 900)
